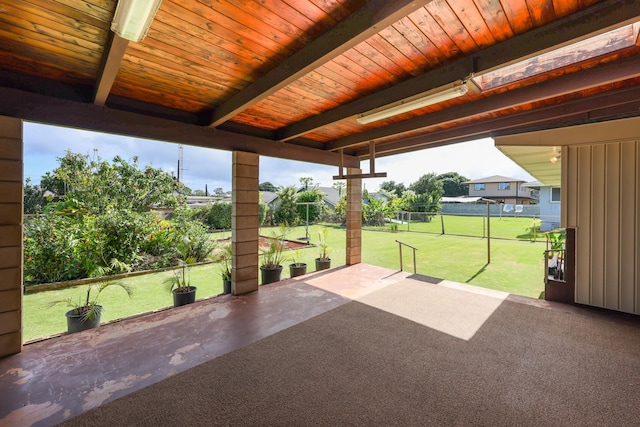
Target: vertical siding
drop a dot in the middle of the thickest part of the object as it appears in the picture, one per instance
(629, 196)
(10, 235)
(612, 225)
(602, 198)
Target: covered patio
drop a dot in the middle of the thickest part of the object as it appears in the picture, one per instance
(343, 83)
(238, 360)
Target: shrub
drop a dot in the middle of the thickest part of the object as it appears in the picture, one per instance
(50, 243)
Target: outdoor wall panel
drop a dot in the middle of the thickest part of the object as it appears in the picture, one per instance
(612, 226)
(628, 225)
(604, 182)
(597, 224)
(581, 186)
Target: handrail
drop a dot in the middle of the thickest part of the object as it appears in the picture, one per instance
(400, 244)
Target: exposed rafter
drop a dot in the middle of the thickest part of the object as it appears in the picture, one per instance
(624, 69)
(367, 21)
(40, 108)
(110, 64)
(605, 106)
(596, 19)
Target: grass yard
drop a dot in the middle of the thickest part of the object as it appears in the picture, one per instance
(516, 267)
(502, 228)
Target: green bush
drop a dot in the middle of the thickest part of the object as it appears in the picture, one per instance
(50, 248)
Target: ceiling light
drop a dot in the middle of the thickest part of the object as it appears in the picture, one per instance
(133, 18)
(424, 100)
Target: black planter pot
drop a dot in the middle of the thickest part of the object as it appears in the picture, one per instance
(184, 298)
(75, 322)
(270, 274)
(323, 264)
(297, 269)
(226, 286)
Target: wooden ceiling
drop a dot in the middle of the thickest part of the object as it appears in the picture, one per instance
(288, 78)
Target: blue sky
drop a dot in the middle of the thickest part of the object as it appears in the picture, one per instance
(43, 144)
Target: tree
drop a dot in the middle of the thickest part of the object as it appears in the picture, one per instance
(267, 186)
(340, 186)
(428, 193)
(311, 196)
(394, 188)
(307, 182)
(286, 211)
(34, 200)
(97, 185)
(452, 184)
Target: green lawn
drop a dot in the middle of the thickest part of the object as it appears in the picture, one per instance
(516, 267)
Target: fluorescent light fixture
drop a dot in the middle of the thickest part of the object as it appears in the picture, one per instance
(133, 18)
(431, 97)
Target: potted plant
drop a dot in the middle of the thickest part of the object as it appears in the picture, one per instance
(225, 269)
(86, 312)
(297, 268)
(273, 257)
(179, 284)
(323, 262)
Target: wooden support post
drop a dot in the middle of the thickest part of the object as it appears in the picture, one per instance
(245, 222)
(11, 206)
(354, 219)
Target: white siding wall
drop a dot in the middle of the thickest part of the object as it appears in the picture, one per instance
(601, 193)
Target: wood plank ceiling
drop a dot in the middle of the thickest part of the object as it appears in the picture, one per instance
(289, 77)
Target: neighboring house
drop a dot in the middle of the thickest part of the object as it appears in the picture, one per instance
(549, 200)
(331, 196)
(502, 189)
(269, 198)
(376, 196)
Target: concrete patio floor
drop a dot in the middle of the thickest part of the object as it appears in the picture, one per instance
(61, 377)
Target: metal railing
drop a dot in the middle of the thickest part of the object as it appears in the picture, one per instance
(400, 244)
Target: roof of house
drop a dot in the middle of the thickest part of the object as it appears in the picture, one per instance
(268, 196)
(494, 178)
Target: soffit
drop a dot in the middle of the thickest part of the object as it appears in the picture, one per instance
(289, 78)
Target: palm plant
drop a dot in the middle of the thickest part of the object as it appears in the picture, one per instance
(273, 255)
(181, 278)
(325, 250)
(88, 307)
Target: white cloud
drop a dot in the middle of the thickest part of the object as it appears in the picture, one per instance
(201, 166)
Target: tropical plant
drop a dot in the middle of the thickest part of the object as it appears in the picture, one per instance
(325, 249)
(226, 262)
(273, 255)
(180, 280)
(88, 307)
(533, 228)
(296, 257)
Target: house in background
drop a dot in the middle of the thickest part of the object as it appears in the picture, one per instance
(549, 200)
(502, 189)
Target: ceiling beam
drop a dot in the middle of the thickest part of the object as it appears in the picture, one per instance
(594, 77)
(604, 106)
(109, 65)
(55, 111)
(598, 18)
(370, 19)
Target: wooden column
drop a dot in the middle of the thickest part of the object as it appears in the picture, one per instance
(245, 222)
(354, 218)
(10, 236)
